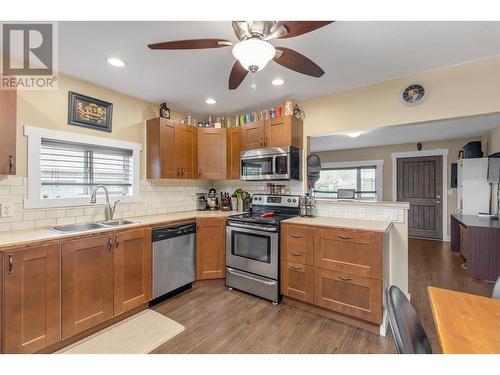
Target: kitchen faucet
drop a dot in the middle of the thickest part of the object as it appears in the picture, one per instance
(109, 210)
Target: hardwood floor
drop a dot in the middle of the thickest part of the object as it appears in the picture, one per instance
(218, 320)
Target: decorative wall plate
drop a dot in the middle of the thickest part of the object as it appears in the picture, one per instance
(413, 94)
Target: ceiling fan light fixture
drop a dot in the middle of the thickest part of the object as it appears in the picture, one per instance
(254, 54)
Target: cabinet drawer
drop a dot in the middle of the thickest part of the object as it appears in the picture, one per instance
(297, 281)
(350, 251)
(348, 294)
(297, 244)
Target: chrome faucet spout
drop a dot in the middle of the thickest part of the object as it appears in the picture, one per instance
(109, 210)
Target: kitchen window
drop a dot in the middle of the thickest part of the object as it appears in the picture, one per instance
(364, 177)
(64, 168)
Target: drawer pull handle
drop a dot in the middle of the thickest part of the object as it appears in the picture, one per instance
(344, 278)
(296, 268)
(296, 235)
(296, 254)
(344, 237)
(11, 264)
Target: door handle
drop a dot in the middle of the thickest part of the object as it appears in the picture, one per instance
(178, 172)
(344, 278)
(295, 268)
(11, 264)
(296, 236)
(262, 141)
(344, 237)
(11, 164)
(110, 244)
(117, 243)
(296, 254)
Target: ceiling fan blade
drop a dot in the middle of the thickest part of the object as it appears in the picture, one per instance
(238, 74)
(241, 29)
(295, 61)
(296, 28)
(191, 44)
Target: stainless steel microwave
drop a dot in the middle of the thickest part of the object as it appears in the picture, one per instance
(277, 163)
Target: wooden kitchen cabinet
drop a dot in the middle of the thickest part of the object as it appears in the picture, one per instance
(132, 269)
(353, 295)
(171, 149)
(297, 244)
(297, 281)
(253, 135)
(87, 283)
(31, 298)
(210, 248)
(233, 152)
(212, 163)
(8, 124)
(278, 132)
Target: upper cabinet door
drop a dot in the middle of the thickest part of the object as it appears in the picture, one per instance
(212, 154)
(233, 152)
(8, 108)
(161, 158)
(87, 283)
(186, 150)
(253, 135)
(32, 299)
(132, 269)
(284, 131)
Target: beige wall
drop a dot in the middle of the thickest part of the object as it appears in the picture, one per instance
(384, 153)
(461, 90)
(49, 109)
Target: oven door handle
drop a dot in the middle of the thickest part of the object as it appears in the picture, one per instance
(265, 229)
(247, 276)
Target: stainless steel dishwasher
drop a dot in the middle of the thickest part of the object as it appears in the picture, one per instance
(173, 259)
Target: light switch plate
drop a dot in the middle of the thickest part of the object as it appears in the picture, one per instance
(7, 209)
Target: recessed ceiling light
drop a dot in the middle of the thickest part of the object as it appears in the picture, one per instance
(210, 101)
(277, 82)
(354, 134)
(115, 62)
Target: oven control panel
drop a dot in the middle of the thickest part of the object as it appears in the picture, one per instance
(276, 200)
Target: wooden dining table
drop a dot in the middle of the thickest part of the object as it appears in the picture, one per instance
(465, 323)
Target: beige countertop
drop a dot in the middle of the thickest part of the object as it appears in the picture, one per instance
(334, 222)
(22, 237)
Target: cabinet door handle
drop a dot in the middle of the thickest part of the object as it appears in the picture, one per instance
(110, 244)
(182, 172)
(344, 237)
(265, 142)
(296, 254)
(295, 268)
(11, 264)
(178, 172)
(296, 236)
(11, 164)
(117, 243)
(262, 141)
(344, 278)
(199, 173)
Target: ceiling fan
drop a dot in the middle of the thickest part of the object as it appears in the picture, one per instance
(253, 50)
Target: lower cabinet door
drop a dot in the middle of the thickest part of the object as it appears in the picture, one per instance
(210, 248)
(352, 295)
(32, 308)
(297, 281)
(87, 283)
(132, 269)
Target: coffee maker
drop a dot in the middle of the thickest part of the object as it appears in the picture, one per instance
(201, 199)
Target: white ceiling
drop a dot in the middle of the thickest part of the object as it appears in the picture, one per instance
(351, 53)
(461, 127)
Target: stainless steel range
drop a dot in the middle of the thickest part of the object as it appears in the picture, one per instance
(252, 245)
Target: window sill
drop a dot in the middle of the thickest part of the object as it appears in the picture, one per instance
(75, 202)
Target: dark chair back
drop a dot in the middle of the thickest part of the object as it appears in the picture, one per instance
(408, 333)
(496, 289)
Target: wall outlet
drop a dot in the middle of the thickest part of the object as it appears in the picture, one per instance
(7, 209)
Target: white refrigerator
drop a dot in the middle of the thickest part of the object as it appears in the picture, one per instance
(473, 189)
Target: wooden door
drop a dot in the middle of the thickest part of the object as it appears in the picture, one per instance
(297, 281)
(278, 132)
(419, 182)
(210, 248)
(168, 160)
(233, 152)
(132, 269)
(32, 299)
(8, 126)
(253, 135)
(352, 295)
(212, 154)
(87, 283)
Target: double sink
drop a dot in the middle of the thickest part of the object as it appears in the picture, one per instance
(74, 228)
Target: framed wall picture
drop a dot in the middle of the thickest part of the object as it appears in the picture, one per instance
(89, 112)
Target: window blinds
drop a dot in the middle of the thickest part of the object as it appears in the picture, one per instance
(73, 169)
